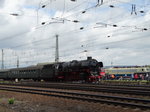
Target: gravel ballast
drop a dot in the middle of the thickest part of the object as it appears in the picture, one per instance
(37, 103)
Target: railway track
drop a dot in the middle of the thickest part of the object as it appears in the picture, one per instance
(142, 88)
(83, 84)
(86, 87)
(114, 100)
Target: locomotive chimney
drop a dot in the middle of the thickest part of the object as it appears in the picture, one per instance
(89, 58)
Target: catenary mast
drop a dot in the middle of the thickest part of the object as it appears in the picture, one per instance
(57, 50)
(2, 59)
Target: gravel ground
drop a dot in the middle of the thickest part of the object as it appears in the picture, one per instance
(37, 103)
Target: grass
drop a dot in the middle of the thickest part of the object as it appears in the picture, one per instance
(11, 101)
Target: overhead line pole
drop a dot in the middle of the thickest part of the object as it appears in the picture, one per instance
(17, 61)
(57, 50)
(2, 59)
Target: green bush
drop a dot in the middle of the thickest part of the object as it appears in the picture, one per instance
(11, 101)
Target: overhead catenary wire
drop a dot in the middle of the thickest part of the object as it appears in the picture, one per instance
(84, 2)
(64, 7)
(12, 36)
(84, 28)
(113, 25)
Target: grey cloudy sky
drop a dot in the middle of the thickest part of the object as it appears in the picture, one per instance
(115, 31)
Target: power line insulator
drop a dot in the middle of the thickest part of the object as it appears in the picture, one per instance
(114, 25)
(85, 51)
(14, 14)
(81, 28)
(145, 29)
(43, 23)
(141, 11)
(43, 6)
(83, 11)
(112, 6)
(73, 0)
(75, 21)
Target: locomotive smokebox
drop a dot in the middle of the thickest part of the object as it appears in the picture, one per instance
(89, 58)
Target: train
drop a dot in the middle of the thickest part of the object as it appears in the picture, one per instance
(88, 70)
(128, 72)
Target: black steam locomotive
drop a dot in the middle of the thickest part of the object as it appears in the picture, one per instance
(84, 70)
